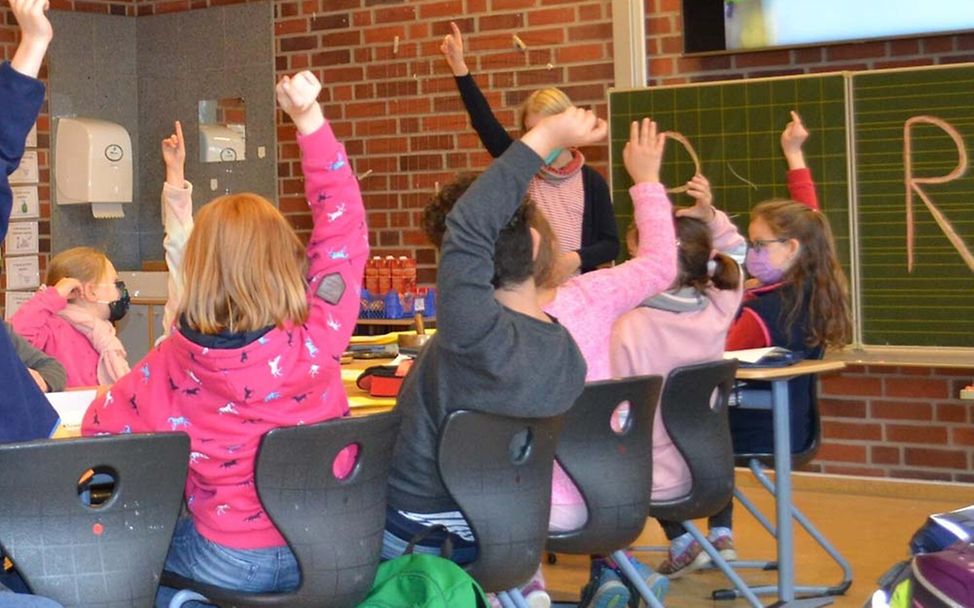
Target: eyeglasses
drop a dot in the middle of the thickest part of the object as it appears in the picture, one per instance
(759, 244)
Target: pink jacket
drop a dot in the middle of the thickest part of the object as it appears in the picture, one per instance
(226, 399)
(654, 341)
(37, 321)
(588, 304)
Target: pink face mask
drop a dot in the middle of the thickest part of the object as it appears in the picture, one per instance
(759, 266)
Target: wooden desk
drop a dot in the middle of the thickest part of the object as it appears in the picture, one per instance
(781, 410)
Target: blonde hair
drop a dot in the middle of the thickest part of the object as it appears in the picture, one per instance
(545, 102)
(243, 268)
(85, 264)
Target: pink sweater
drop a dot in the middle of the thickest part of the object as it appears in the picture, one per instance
(654, 341)
(226, 399)
(37, 321)
(588, 304)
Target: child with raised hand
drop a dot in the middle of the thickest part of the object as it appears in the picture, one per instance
(685, 325)
(177, 220)
(25, 413)
(589, 304)
(495, 349)
(571, 195)
(261, 327)
(71, 318)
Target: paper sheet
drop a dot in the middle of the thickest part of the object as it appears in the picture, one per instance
(71, 405)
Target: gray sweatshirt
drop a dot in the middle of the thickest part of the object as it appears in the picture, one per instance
(50, 370)
(484, 356)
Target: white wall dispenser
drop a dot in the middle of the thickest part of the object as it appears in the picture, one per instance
(93, 164)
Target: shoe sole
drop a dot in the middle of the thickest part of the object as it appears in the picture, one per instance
(729, 555)
(610, 595)
(538, 599)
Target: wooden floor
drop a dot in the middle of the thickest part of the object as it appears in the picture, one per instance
(869, 521)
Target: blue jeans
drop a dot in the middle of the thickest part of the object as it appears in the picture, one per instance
(400, 530)
(273, 570)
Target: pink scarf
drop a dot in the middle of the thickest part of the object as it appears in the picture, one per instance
(112, 363)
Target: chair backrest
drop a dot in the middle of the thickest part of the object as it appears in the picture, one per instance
(80, 555)
(694, 411)
(613, 471)
(334, 526)
(498, 470)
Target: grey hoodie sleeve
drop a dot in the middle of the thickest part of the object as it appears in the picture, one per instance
(35, 359)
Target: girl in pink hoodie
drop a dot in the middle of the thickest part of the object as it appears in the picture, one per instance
(71, 318)
(257, 345)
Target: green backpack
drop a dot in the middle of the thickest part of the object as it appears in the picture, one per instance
(420, 580)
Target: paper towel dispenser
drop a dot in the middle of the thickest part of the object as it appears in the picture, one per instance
(93, 164)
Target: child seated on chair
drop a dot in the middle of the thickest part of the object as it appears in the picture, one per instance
(684, 325)
(495, 350)
(261, 326)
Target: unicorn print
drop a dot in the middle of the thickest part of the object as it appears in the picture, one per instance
(275, 365)
(312, 349)
(145, 373)
(178, 422)
(271, 396)
(338, 164)
(222, 509)
(228, 408)
(313, 370)
(195, 457)
(339, 254)
(337, 213)
(192, 376)
(333, 323)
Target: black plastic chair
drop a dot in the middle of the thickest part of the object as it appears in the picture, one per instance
(333, 526)
(694, 411)
(105, 555)
(612, 470)
(498, 470)
(756, 463)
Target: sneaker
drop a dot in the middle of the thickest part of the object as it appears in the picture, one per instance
(725, 547)
(685, 562)
(534, 592)
(605, 591)
(658, 584)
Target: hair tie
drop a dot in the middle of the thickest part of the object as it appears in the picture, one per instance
(711, 267)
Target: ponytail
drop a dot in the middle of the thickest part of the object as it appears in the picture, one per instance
(727, 272)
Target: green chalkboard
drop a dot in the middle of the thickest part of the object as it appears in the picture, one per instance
(735, 129)
(932, 303)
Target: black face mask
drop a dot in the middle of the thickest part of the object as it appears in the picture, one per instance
(118, 308)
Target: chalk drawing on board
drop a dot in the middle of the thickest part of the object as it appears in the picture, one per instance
(913, 186)
(676, 136)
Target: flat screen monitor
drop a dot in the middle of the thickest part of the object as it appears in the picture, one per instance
(731, 25)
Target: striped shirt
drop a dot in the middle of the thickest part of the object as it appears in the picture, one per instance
(560, 196)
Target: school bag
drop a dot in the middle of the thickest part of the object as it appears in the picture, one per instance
(419, 580)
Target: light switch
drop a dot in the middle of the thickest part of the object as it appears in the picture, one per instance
(261, 151)
(213, 184)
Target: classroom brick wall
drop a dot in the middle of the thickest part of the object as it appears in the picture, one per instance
(401, 119)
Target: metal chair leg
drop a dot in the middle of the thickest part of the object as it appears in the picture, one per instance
(622, 560)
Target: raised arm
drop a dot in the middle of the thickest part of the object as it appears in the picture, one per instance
(21, 93)
(492, 134)
(726, 237)
(800, 185)
(468, 310)
(339, 245)
(177, 219)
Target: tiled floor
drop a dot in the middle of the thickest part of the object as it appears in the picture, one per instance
(869, 521)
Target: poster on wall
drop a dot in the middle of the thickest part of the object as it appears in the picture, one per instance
(26, 173)
(31, 141)
(25, 203)
(22, 238)
(23, 273)
(13, 300)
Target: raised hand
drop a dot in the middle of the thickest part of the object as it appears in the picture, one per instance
(643, 153)
(452, 49)
(69, 288)
(36, 33)
(792, 139)
(174, 155)
(703, 208)
(298, 97)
